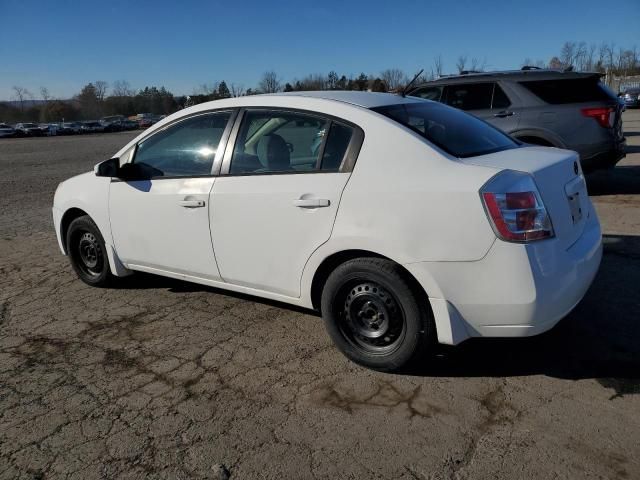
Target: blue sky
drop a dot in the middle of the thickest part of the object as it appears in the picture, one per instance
(65, 44)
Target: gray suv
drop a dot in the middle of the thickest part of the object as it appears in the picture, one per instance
(571, 110)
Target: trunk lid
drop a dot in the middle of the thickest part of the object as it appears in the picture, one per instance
(559, 179)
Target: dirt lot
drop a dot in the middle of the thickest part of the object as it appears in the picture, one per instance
(165, 379)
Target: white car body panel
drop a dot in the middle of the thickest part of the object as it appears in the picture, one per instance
(253, 215)
(159, 232)
(405, 200)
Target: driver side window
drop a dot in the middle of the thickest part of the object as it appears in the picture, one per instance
(186, 149)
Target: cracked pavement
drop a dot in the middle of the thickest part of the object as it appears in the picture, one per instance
(164, 379)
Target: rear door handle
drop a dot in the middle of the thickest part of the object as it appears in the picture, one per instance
(504, 113)
(311, 202)
(191, 203)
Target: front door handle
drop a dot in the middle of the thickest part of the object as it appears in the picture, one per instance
(504, 113)
(191, 203)
(311, 202)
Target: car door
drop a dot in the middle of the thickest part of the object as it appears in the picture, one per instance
(277, 197)
(486, 100)
(161, 222)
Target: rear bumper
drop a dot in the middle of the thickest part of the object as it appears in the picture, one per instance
(606, 158)
(515, 290)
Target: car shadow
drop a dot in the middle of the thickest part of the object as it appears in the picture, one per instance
(599, 340)
(145, 281)
(621, 180)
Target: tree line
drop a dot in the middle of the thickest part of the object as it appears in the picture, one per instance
(98, 98)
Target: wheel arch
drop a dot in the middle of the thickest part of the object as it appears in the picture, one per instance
(331, 262)
(69, 216)
(546, 136)
(115, 264)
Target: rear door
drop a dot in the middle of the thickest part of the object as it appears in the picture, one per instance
(277, 197)
(486, 100)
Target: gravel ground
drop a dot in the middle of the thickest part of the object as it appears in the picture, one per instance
(164, 379)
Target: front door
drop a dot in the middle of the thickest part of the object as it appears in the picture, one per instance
(162, 222)
(278, 200)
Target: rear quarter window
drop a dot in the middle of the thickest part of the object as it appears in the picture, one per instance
(574, 90)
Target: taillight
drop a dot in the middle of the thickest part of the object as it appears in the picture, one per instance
(515, 209)
(599, 114)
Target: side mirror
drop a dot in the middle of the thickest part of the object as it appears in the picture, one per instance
(108, 168)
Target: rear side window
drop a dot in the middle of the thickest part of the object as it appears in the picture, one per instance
(428, 93)
(500, 99)
(574, 90)
(336, 146)
(289, 142)
(469, 96)
(457, 133)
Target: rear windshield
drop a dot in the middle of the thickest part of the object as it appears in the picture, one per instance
(457, 133)
(574, 90)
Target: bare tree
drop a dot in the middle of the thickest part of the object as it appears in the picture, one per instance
(22, 94)
(206, 89)
(44, 93)
(461, 63)
(568, 53)
(121, 88)
(478, 65)
(101, 89)
(270, 82)
(393, 78)
(590, 57)
(237, 90)
(437, 66)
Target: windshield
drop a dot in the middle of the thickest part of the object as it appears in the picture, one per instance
(457, 133)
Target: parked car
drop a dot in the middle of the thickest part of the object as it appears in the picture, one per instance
(631, 97)
(571, 110)
(29, 130)
(145, 122)
(49, 129)
(414, 222)
(112, 123)
(129, 125)
(91, 127)
(6, 130)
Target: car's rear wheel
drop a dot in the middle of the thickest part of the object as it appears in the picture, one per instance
(374, 315)
(87, 252)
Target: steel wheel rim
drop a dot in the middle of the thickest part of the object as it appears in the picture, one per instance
(371, 318)
(90, 254)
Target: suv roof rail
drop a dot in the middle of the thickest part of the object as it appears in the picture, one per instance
(467, 72)
(530, 67)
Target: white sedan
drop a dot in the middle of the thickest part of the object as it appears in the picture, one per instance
(404, 221)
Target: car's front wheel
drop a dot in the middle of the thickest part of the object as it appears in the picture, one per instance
(87, 252)
(374, 315)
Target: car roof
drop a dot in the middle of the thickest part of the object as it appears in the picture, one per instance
(359, 98)
(518, 75)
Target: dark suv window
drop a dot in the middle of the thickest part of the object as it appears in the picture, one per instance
(573, 90)
(458, 133)
(469, 96)
(428, 93)
(500, 99)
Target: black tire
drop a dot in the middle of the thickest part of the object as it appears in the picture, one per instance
(375, 316)
(87, 252)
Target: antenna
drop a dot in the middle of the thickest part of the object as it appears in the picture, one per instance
(406, 88)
